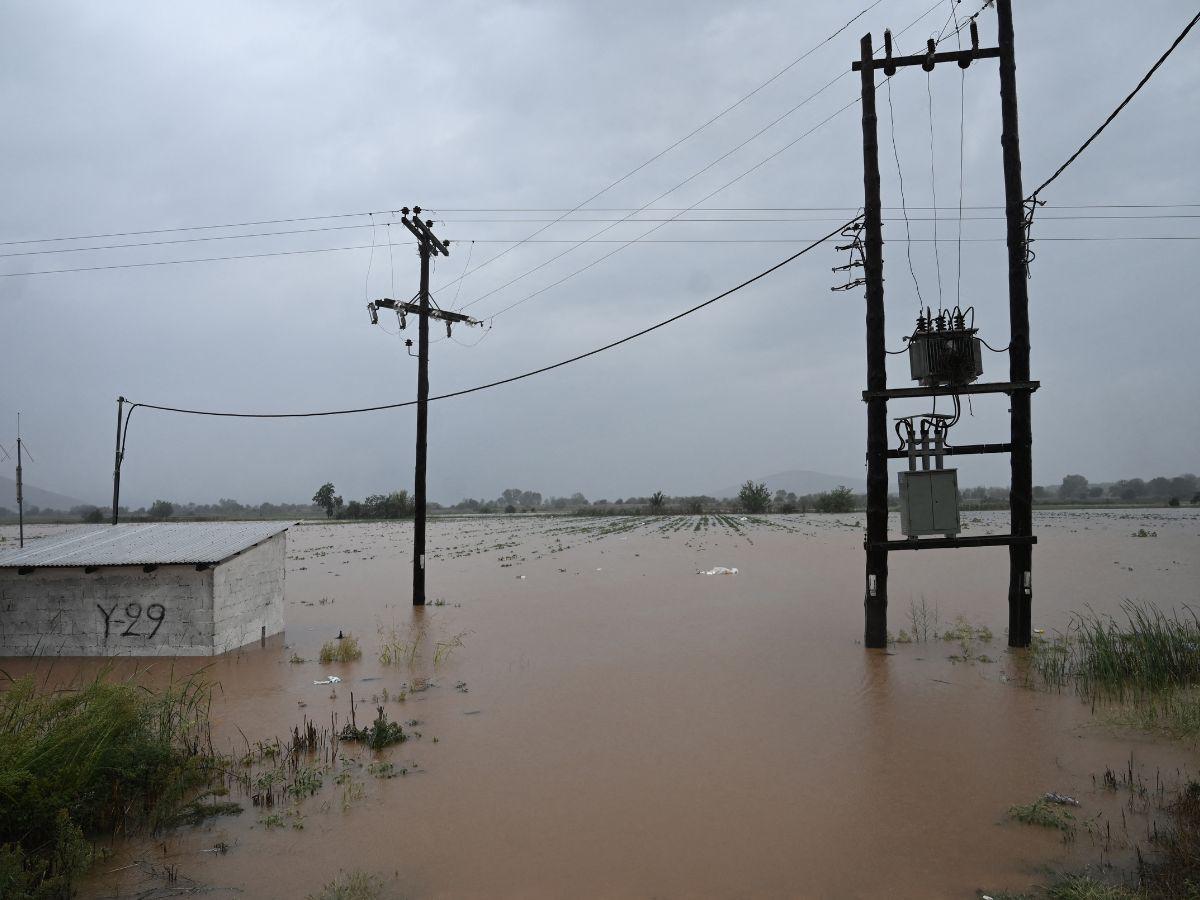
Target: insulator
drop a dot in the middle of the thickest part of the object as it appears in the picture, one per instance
(888, 68)
(927, 65)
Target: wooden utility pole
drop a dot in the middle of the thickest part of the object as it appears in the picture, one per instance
(117, 461)
(428, 244)
(1020, 504)
(877, 435)
(1019, 387)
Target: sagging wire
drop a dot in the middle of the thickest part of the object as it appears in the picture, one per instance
(457, 293)
(1031, 203)
(1030, 206)
(857, 260)
(370, 261)
(391, 259)
(486, 332)
(937, 256)
(962, 101)
(887, 36)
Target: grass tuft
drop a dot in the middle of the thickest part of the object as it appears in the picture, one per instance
(343, 650)
(1045, 814)
(350, 886)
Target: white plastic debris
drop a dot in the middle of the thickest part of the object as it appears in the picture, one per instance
(332, 679)
(744, 519)
(1062, 799)
(719, 570)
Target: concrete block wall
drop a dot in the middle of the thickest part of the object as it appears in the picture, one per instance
(113, 611)
(248, 595)
(172, 610)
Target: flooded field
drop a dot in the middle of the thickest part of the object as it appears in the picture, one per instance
(590, 717)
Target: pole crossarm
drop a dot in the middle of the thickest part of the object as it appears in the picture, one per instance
(978, 540)
(964, 450)
(415, 309)
(990, 387)
(927, 59)
(421, 230)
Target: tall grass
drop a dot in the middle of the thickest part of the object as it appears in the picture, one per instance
(107, 757)
(1146, 652)
(344, 649)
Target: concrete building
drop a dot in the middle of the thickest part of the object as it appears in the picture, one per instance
(168, 589)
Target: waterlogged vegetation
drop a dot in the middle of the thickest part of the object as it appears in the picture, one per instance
(112, 758)
(105, 758)
(1140, 668)
(1144, 663)
(343, 649)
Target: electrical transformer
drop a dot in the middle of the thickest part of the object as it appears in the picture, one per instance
(929, 502)
(944, 351)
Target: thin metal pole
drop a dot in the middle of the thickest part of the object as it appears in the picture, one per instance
(875, 602)
(20, 497)
(422, 428)
(117, 462)
(1020, 556)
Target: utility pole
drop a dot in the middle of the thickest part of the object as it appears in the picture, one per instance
(1019, 387)
(20, 495)
(1020, 503)
(117, 462)
(428, 244)
(875, 603)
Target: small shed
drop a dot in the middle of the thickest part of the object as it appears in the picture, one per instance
(163, 589)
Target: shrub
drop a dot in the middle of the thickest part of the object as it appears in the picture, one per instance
(839, 500)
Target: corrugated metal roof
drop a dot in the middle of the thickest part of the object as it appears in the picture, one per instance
(160, 543)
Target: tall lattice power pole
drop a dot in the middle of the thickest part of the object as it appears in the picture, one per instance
(428, 244)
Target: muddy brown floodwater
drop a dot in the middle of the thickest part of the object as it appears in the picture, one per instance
(616, 725)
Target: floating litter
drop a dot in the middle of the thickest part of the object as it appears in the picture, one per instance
(332, 679)
(718, 570)
(1062, 799)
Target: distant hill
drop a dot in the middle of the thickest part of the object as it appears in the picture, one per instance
(34, 496)
(801, 481)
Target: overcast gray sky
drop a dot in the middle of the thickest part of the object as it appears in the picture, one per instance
(125, 117)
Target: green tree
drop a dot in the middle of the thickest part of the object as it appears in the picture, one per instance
(658, 501)
(839, 500)
(755, 498)
(324, 498)
(1074, 487)
(161, 509)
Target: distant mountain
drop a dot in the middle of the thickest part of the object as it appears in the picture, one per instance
(801, 481)
(34, 496)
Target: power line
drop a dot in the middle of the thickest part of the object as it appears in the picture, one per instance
(686, 137)
(625, 243)
(503, 381)
(691, 177)
(719, 220)
(1095, 134)
(646, 206)
(642, 237)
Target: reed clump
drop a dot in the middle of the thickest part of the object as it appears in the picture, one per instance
(104, 758)
(1146, 653)
(344, 649)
